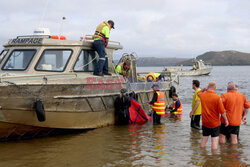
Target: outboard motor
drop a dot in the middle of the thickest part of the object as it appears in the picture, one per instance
(40, 113)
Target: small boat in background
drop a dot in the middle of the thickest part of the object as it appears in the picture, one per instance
(199, 68)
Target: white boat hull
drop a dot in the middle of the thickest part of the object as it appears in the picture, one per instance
(205, 71)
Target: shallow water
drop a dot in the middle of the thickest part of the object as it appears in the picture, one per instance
(171, 144)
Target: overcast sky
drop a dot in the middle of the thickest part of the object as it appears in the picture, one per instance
(158, 28)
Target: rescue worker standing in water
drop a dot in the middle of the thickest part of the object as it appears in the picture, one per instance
(234, 103)
(101, 39)
(176, 110)
(122, 104)
(195, 114)
(158, 104)
(212, 108)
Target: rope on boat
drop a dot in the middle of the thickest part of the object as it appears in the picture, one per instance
(87, 63)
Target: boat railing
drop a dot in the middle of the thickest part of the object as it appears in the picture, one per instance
(96, 95)
(90, 38)
(175, 78)
(173, 69)
(84, 96)
(43, 76)
(33, 36)
(168, 76)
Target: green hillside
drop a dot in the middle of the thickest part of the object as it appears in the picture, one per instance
(223, 58)
(158, 62)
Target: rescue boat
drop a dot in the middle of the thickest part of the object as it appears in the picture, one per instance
(200, 68)
(47, 83)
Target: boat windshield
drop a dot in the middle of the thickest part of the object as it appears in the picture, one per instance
(19, 59)
(3, 54)
(86, 61)
(53, 60)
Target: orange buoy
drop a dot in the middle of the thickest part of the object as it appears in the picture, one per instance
(62, 37)
(54, 37)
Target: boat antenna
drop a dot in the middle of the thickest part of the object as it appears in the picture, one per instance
(89, 19)
(63, 18)
(44, 11)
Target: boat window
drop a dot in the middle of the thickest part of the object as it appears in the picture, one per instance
(53, 60)
(86, 61)
(3, 54)
(19, 60)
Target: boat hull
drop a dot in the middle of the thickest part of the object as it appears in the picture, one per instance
(66, 107)
(205, 71)
(15, 131)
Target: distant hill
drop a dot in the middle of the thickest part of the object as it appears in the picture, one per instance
(153, 61)
(223, 58)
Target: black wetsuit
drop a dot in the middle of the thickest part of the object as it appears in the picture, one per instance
(195, 122)
(122, 110)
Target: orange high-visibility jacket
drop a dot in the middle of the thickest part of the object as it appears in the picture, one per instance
(179, 110)
(159, 105)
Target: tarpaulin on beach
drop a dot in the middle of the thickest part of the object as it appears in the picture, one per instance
(137, 114)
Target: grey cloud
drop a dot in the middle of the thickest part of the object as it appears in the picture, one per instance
(180, 28)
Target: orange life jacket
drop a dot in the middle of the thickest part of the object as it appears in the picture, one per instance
(159, 105)
(179, 110)
(154, 75)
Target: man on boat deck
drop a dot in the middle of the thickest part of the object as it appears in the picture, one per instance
(212, 107)
(234, 103)
(195, 114)
(195, 65)
(158, 104)
(101, 39)
(123, 68)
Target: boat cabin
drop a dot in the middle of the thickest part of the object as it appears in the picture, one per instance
(46, 54)
(200, 64)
